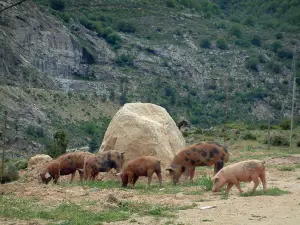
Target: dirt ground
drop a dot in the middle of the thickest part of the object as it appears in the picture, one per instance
(235, 209)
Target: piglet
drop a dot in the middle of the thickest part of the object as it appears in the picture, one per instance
(249, 170)
(141, 166)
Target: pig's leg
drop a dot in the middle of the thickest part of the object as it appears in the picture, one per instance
(218, 166)
(192, 174)
(237, 184)
(149, 179)
(72, 177)
(135, 178)
(130, 179)
(159, 178)
(81, 176)
(256, 183)
(229, 186)
(263, 180)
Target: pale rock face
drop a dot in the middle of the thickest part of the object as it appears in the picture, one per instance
(142, 129)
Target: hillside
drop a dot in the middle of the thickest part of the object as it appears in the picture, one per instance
(72, 64)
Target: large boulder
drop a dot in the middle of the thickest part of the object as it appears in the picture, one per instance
(39, 159)
(143, 129)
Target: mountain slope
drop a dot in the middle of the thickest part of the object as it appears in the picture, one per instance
(177, 54)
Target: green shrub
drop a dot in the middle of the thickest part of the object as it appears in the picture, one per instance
(113, 38)
(242, 42)
(171, 3)
(10, 173)
(285, 53)
(21, 164)
(276, 45)
(221, 44)
(107, 31)
(58, 145)
(275, 66)
(248, 136)
(205, 43)
(262, 58)
(58, 4)
(252, 63)
(34, 131)
(256, 40)
(279, 35)
(236, 30)
(278, 140)
(126, 27)
(249, 21)
(124, 59)
(285, 124)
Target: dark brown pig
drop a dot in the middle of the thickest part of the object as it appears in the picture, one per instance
(65, 164)
(246, 171)
(141, 166)
(202, 154)
(103, 162)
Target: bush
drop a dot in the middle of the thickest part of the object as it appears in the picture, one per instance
(124, 59)
(252, 63)
(57, 4)
(278, 140)
(276, 45)
(242, 42)
(249, 21)
(205, 43)
(285, 124)
(171, 3)
(58, 145)
(221, 44)
(21, 164)
(249, 136)
(262, 58)
(236, 30)
(256, 40)
(126, 27)
(279, 36)
(275, 67)
(10, 173)
(94, 144)
(285, 53)
(113, 38)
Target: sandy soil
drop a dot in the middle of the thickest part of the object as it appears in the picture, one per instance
(273, 210)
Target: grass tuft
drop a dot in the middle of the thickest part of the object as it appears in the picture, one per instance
(270, 192)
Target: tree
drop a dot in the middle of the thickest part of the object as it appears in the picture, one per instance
(57, 4)
(94, 144)
(58, 145)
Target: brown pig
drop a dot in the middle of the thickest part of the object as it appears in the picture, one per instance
(64, 165)
(141, 166)
(103, 162)
(246, 171)
(202, 154)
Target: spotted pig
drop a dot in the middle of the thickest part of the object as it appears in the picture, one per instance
(202, 154)
(141, 166)
(103, 162)
(246, 171)
(65, 164)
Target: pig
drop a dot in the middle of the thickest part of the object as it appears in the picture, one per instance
(65, 164)
(249, 170)
(202, 154)
(103, 162)
(141, 166)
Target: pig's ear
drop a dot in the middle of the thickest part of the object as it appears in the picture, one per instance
(47, 175)
(215, 180)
